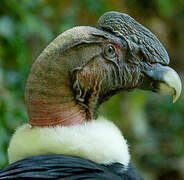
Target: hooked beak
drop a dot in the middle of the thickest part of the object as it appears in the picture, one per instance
(165, 81)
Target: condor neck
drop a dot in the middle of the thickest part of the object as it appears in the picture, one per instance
(50, 100)
(67, 114)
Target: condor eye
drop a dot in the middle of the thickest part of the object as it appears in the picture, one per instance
(110, 51)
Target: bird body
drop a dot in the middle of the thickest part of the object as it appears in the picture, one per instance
(78, 71)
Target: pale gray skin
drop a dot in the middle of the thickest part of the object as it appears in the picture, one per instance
(85, 66)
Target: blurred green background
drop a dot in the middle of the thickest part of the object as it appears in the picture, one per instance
(153, 126)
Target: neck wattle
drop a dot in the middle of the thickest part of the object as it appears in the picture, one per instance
(52, 105)
(67, 114)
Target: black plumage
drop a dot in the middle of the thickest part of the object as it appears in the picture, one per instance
(68, 168)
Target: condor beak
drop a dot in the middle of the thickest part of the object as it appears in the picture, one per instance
(171, 84)
(165, 81)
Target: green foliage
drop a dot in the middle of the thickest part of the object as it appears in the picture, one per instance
(153, 126)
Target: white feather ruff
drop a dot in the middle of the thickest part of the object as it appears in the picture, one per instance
(98, 140)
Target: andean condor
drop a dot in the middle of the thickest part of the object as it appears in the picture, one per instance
(77, 72)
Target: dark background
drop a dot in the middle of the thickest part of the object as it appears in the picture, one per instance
(153, 126)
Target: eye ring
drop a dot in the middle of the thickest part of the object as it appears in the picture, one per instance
(110, 51)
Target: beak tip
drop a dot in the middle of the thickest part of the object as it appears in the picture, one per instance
(176, 95)
(174, 99)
